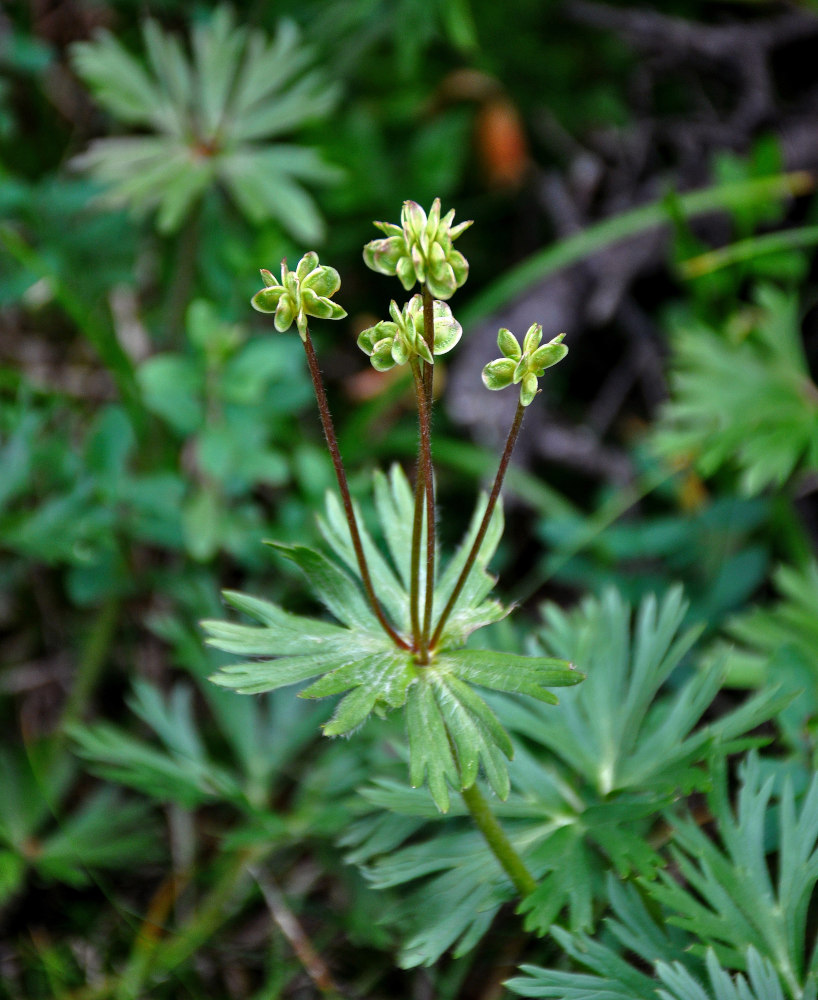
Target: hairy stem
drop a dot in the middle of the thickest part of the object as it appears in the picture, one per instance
(424, 498)
(429, 337)
(425, 419)
(501, 847)
(417, 530)
(340, 475)
(481, 533)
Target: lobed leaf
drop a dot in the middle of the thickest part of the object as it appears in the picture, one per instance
(511, 673)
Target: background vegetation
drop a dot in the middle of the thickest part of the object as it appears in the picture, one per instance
(638, 178)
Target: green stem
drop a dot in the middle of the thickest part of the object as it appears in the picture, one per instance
(481, 533)
(501, 847)
(340, 475)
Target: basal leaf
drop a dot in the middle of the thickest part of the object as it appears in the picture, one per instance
(430, 752)
(391, 593)
(255, 677)
(388, 673)
(336, 590)
(512, 673)
(394, 504)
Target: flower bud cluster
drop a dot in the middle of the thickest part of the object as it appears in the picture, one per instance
(301, 293)
(524, 365)
(395, 342)
(420, 249)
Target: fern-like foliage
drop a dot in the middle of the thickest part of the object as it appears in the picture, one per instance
(731, 897)
(212, 115)
(742, 906)
(452, 731)
(588, 784)
(744, 398)
(779, 643)
(102, 830)
(177, 765)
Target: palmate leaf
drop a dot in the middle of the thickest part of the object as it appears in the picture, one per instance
(589, 781)
(452, 731)
(616, 979)
(729, 895)
(616, 730)
(749, 402)
(102, 830)
(213, 112)
(727, 926)
(780, 642)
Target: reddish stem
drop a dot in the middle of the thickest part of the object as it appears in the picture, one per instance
(340, 475)
(484, 524)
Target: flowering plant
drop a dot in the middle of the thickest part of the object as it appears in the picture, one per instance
(402, 621)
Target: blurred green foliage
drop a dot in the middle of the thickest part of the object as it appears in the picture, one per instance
(153, 432)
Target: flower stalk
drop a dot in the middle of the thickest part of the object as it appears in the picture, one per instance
(424, 503)
(425, 424)
(343, 486)
(511, 440)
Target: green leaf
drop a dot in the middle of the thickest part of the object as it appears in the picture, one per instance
(213, 117)
(744, 400)
(730, 896)
(512, 673)
(430, 753)
(394, 503)
(105, 832)
(387, 673)
(267, 675)
(469, 613)
(335, 530)
(338, 592)
(452, 731)
(172, 388)
(118, 80)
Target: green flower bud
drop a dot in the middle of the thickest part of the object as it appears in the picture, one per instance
(395, 342)
(301, 293)
(523, 367)
(421, 250)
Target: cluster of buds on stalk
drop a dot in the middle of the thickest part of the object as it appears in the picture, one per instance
(396, 342)
(418, 251)
(306, 291)
(524, 366)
